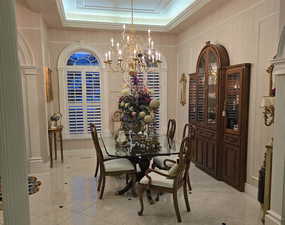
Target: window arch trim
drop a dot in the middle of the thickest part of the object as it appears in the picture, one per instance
(63, 68)
(82, 58)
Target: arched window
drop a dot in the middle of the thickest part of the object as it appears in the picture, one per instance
(82, 94)
(82, 59)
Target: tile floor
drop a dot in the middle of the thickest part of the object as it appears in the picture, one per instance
(68, 197)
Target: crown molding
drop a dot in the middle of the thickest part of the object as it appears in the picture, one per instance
(193, 8)
(109, 26)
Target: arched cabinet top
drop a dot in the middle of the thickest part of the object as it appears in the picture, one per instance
(220, 52)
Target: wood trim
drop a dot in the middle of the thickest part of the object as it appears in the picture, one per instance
(215, 147)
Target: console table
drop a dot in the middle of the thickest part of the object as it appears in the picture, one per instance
(52, 133)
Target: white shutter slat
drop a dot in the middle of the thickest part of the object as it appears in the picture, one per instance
(74, 87)
(153, 82)
(76, 119)
(94, 116)
(93, 87)
(83, 101)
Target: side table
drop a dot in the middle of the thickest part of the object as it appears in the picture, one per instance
(52, 131)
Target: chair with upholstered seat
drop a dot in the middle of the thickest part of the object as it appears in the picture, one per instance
(171, 128)
(168, 181)
(113, 167)
(106, 157)
(165, 162)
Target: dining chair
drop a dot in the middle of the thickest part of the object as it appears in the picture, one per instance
(168, 181)
(171, 128)
(165, 162)
(170, 133)
(106, 157)
(111, 167)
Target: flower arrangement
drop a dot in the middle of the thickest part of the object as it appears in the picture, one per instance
(137, 106)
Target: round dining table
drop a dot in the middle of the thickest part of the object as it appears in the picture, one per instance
(140, 150)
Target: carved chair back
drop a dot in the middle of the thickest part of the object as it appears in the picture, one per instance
(171, 128)
(186, 131)
(183, 162)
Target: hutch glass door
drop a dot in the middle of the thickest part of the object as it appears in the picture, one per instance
(232, 102)
(201, 90)
(212, 88)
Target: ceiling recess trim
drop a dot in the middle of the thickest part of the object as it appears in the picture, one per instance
(192, 9)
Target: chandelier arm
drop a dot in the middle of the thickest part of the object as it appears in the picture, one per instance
(132, 3)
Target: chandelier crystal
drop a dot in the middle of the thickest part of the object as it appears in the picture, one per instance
(130, 55)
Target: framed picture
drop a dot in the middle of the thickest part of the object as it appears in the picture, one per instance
(48, 84)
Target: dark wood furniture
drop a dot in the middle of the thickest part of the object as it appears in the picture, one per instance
(113, 167)
(170, 134)
(171, 128)
(162, 162)
(52, 132)
(218, 107)
(105, 158)
(161, 181)
(141, 155)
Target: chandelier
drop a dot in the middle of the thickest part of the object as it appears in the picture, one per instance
(131, 55)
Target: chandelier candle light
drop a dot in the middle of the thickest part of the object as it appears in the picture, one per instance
(135, 60)
(129, 56)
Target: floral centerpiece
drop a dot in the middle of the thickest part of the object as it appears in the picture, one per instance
(137, 106)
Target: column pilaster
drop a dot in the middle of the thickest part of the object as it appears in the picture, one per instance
(276, 213)
(12, 132)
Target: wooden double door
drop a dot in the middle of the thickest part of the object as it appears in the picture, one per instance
(218, 108)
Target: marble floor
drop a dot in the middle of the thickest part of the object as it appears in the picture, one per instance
(68, 196)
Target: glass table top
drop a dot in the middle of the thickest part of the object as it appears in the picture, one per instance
(139, 147)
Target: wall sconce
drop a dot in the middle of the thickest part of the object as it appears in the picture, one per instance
(267, 104)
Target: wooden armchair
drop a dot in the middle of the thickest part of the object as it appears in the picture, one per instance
(113, 167)
(166, 162)
(171, 129)
(161, 181)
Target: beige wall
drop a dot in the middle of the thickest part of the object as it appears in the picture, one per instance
(58, 40)
(282, 15)
(32, 30)
(249, 31)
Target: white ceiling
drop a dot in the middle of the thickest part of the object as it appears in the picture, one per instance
(160, 15)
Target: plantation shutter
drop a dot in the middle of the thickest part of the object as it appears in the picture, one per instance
(83, 102)
(75, 100)
(153, 83)
(93, 99)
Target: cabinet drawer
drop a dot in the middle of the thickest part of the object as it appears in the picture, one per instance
(232, 139)
(207, 134)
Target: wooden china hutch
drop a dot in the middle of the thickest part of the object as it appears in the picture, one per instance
(218, 107)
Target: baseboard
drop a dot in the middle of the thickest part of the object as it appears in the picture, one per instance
(37, 165)
(272, 218)
(251, 190)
